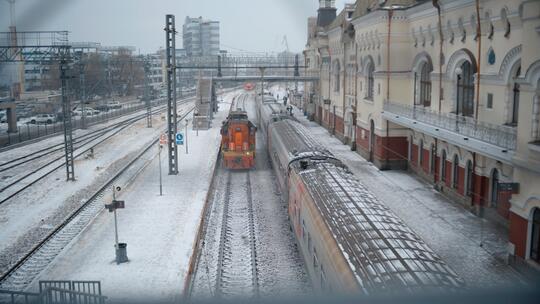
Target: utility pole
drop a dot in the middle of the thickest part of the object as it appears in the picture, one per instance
(170, 43)
(262, 84)
(146, 95)
(160, 174)
(82, 80)
(187, 122)
(109, 76)
(66, 108)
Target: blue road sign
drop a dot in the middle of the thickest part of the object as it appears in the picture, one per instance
(179, 139)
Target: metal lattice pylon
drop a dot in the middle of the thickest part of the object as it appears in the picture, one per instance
(146, 94)
(170, 42)
(66, 112)
(44, 47)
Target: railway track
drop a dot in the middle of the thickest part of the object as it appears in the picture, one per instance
(28, 267)
(237, 253)
(40, 171)
(13, 163)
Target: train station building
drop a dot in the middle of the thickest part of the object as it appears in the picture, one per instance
(415, 85)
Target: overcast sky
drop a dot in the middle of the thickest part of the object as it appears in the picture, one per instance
(250, 25)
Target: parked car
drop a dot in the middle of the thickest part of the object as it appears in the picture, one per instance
(43, 118)
(102, 108)
(114, 105)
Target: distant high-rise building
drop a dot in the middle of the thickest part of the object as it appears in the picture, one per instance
(201, 37)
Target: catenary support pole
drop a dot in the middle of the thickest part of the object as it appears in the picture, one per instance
(66, 114)
(170, 42)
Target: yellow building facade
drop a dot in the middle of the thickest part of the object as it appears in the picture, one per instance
(430, 87)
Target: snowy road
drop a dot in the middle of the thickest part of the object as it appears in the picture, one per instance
(279, 266)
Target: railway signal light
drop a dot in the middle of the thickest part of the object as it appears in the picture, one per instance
(115, 205)
(120, 248)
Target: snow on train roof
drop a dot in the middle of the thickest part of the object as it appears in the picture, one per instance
(296, 138)
(275, 107)
(384, 253)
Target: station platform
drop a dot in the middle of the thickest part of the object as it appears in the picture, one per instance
(160, 231)
(473, 247)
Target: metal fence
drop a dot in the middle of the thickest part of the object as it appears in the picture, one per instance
(502, 136)
(57, 292)
(29, 131)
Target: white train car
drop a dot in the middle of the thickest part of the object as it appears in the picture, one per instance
(350, 241)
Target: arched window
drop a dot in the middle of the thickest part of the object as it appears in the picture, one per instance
(443, 166)
(425, 84)
(515, 99)
(536, 116)
(535, 236)
(469, 189)
(455, 172)
(465, 89)
(337, 76)
(370, 70)
(494, 187)
(504, 19)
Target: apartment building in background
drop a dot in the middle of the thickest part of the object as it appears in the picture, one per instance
(200, 37)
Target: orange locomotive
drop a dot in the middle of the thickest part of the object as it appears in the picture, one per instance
(238, 141)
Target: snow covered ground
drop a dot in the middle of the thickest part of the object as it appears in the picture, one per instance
(279, 266)
(32, 214)
(159, 230)
(475, 248)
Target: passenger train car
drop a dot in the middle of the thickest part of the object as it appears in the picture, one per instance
(350, 241)
(238, 137)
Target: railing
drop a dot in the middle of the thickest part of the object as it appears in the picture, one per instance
(57, 292)
(51, 295)
(54, 295)
(501, 136)
(34, 38)
(31, 131)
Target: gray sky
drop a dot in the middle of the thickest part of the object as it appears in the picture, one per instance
(251, 25)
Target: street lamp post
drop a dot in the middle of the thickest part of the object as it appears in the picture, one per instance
(187, 122)
(160, 172)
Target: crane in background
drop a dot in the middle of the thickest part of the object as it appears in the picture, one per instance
(286, 43)
(17, 87)
(12, 12)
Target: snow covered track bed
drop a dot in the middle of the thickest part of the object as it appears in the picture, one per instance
(20, 173)
(247, 248)
(30, 264)
(237, 264)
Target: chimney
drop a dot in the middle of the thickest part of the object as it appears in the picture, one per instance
(326, 13)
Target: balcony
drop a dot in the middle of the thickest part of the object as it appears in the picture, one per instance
(464, 131)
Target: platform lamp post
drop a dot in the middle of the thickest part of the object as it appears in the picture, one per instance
(162, 142)
(187, 122)
(120, 248)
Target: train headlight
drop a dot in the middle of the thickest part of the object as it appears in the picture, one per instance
(248, 153)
